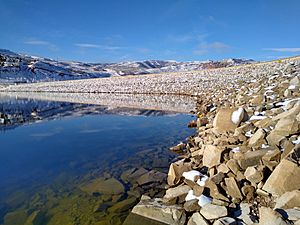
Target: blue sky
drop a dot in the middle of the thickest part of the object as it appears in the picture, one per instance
(121, 30)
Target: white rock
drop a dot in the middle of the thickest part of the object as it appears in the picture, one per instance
(237, 116)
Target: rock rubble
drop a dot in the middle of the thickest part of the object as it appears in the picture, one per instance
(243, 165)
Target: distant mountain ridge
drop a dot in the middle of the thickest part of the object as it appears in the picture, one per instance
(18, 68)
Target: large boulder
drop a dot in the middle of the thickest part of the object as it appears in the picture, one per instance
(223, 120)
(284, 178)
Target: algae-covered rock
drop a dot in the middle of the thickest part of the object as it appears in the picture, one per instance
(123, 205)
(35, 218)
(18, 217)
(107, 187)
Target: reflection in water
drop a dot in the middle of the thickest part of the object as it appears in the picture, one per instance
(82, 164)
(174, 103)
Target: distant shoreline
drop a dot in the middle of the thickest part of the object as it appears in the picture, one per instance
(191, 83)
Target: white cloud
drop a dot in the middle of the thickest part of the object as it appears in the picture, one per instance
(217, 47)
(187, 38)
(37, 42)
(96, 46)
(86, 45)
(282, 49)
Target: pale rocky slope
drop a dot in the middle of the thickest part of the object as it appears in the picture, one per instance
(186, 83)
(18, 68)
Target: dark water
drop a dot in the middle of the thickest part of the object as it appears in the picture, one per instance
(49, 151)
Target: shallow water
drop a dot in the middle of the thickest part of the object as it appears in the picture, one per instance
(49, 151)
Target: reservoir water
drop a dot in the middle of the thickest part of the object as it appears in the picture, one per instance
(65, 163)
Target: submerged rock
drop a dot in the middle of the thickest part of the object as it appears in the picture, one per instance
(107, 187)
(152, 176)
(123, 205)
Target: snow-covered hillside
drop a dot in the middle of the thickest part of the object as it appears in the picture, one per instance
(16, 68)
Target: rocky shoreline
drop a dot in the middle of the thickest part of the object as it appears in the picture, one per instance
(243, 164)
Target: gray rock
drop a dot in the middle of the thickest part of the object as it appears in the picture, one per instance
(197, 219)
(285, 177)
(173, 193)
(134, 219)
(293, 214)
(295, 81)
(270, 217)
(288, 200)
(225, 221)
(175, 171)
(253, 175)
(212, 155)
(232, 188)
(191, 206)
(251, 158)
(132, 174)
(244, 213)
(156, 210)
(211, 211)
(258, 138)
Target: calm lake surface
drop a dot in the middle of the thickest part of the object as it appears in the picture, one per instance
(55, 158)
